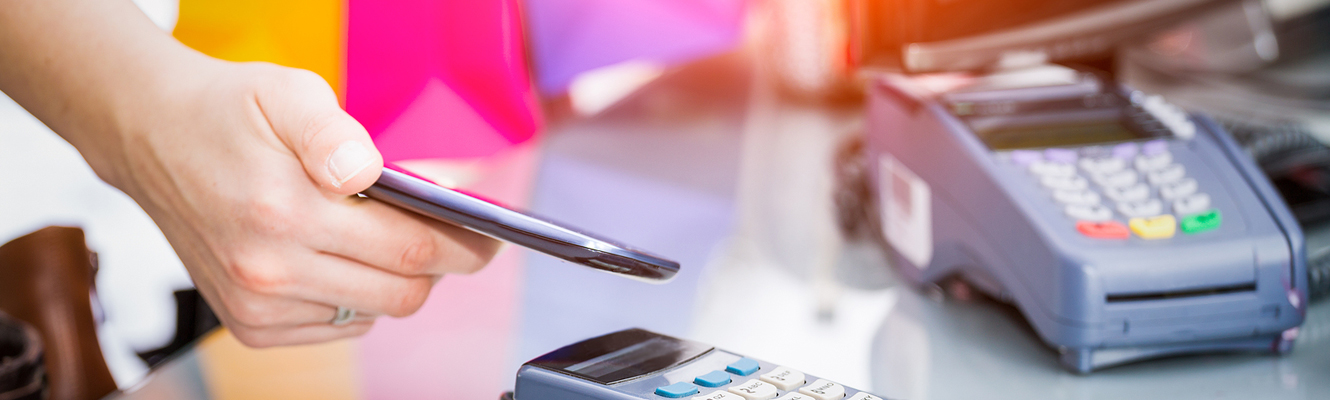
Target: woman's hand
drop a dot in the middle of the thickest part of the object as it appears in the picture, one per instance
(250, 170)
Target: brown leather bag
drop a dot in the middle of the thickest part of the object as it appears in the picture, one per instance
(46, 279)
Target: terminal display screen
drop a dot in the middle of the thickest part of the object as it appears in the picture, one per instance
(1066, 134)
(620, 356)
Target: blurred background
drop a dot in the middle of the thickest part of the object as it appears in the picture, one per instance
(719, 133)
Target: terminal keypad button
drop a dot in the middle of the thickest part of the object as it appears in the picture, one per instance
(1148, 208)
(796, 396)
(1065, 182)
(864, 396)
(1147, 163)
(1154, 147)
(754, 390)
(1178, 189)
(1137, 192)
(1077, 197)
(1103, 166)
(743, 367)
(1064, 156)
(1049, 168)
(1125, 151)
(1025, 157)
(1160, 227)
(713, 379)
(677, 390)
(1192, 204)
(1095, 212)
(1117, 179)
(719, 395)
(823, 389)
(1103, 230)
(1170, 116)
(1202, 222)
(1169, 174)
(784, 378)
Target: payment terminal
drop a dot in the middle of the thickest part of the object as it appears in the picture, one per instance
(1122, 227)
(635, 364)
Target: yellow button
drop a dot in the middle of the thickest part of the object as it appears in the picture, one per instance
(1160, 227)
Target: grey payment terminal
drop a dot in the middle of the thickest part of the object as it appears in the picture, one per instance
(635, 364)
(1122, 227)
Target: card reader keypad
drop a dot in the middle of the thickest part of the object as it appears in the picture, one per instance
(746, 379)
(1137, 182)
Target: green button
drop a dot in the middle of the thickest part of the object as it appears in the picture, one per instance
(1197, 223)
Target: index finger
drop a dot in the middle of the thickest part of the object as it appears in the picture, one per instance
(401, 242)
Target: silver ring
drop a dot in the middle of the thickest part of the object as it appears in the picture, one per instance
(344, 316)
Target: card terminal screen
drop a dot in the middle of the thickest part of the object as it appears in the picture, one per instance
(1064, 134)
(620, 356)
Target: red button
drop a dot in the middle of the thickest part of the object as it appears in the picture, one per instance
(1103, 230)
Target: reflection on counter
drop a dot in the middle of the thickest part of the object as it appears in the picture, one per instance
(938, 347)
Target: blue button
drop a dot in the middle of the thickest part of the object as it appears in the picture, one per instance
(677, 390)
(713, 379)
(743, 367)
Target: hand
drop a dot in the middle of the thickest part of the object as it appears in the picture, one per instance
(251, 170)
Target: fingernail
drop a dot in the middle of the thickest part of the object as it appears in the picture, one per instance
(348, 160)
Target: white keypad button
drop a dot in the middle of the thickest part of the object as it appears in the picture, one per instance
(823, 389)
(1049, 168)
(1176, 190)
(1077, 197)
(864, 396)
(1192, 204)
(1065, 182)
(1103, 166)
(1153, 162)
(1148, 208)
(754, 390)
(719, 395)
(1171, 116)
(1092, 213)
(796, 396)
(1118, 179)
(784, 378)
(1169, 174)
(1131, 193)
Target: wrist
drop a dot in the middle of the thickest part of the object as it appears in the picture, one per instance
(146, 101)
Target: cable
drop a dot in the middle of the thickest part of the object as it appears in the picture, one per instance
(1287, 152)
(1267, 144)
(1318, 275)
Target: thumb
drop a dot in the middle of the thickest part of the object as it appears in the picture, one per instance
(334, 148)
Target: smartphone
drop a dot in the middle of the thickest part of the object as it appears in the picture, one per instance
(423, 197)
